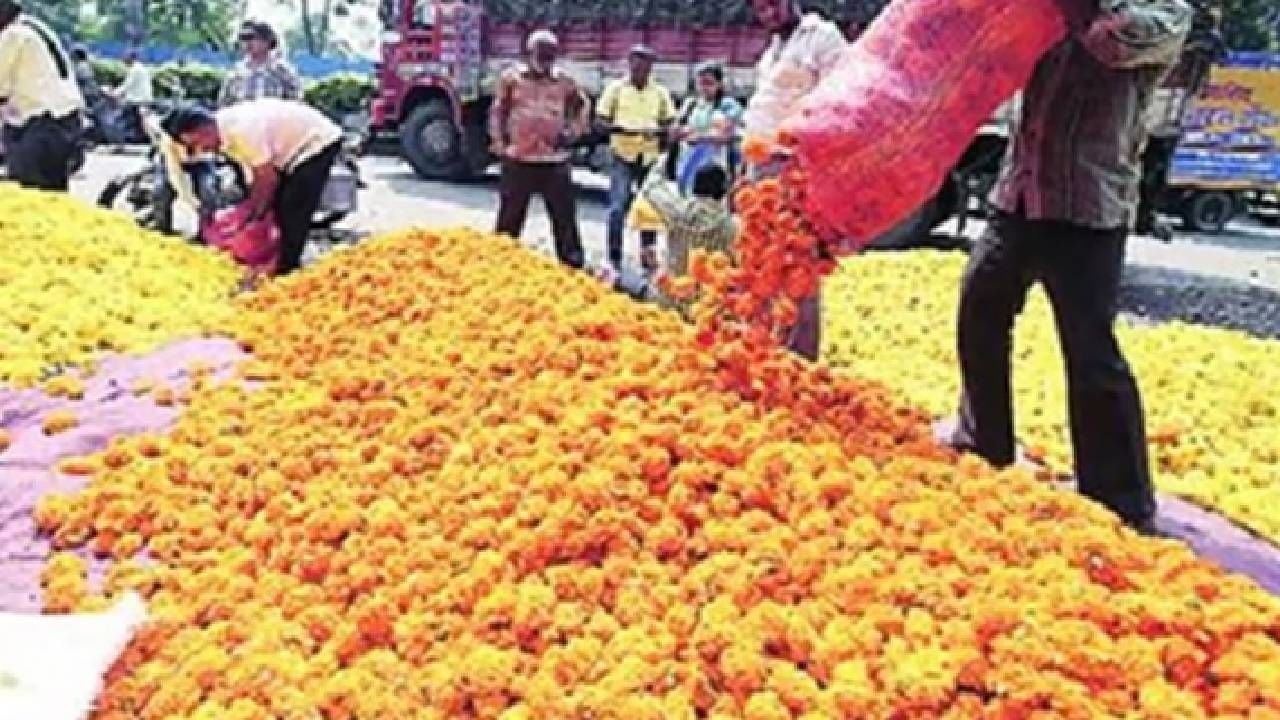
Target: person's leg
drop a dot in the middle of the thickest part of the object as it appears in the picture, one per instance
(18, 155)
(48, 146)
(648, 238)
(514, 190)
(805, 339)
(994, 291)
(205, 185)
(296, 203)
(620, 196)
(1082, 275)
(562, 207)
(163, 197)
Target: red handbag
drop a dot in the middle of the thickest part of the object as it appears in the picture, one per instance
(253, 243)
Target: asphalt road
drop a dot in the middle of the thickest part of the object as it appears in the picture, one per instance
(1247, 256)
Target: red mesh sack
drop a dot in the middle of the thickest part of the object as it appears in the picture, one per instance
(255, 244)
(878, 136)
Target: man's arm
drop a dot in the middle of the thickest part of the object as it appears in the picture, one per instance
(829, 45)
(664, 196)
(262, 190)
(11, 42)
(607, 105)
(291, 81)
(1126, 34)
(225, 97)
(499, 116)
(577, 111)
(667, 113)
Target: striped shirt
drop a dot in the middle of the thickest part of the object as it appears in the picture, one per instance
(692, 223)
(1078, 136)
(251, 81)
(533, 112)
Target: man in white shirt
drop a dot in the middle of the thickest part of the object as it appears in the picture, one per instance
(43, 102)
(805, 49)
(290, 147)
(136, 90)
(135, 93)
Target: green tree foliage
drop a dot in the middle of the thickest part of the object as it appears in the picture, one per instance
(1251, 24)
(178, 23)
(61, 15)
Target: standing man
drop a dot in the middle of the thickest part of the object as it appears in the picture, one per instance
(86, 79)
(262, 73)
(805, 49)
(1066, 201)
(135, 92)
(291, 148)
(537, 115)
(38, 84)
(637, 112)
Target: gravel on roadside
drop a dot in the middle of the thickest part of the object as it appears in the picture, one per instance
(1156, 295)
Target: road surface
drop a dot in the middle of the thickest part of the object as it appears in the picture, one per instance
(1194, 277)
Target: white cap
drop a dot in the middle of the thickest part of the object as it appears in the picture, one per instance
(541, 37)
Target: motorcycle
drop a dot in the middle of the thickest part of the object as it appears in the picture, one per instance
(150, 193)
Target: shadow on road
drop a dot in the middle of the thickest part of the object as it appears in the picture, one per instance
(404, 181)
(1251, 236)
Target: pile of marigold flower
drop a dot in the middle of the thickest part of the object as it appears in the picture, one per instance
(746, 305)
(76, 282)
(1213, 416)
(469, 484)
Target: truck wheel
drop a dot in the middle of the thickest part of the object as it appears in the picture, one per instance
(1209, 211)
(475, 159)
(430, 142)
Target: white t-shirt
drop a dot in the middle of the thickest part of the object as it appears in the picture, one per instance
(280, 133)
(136, 88)
(790, 70)
(32, 80)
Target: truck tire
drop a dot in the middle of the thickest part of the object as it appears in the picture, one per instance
(1209, 211)
(430, 141)
(475, 160)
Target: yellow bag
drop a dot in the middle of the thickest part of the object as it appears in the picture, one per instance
(644, 217)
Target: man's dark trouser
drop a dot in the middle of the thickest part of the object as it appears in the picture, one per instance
(40, 152)
(1080, 269)
(625, 179)
(554, 181)
(297, 199)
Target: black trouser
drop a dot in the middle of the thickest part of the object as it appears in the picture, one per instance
(40, 152)
(297, 200)
(1080, 269)
(554, 181)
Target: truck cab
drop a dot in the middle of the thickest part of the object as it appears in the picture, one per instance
(441, 58)
(429, 86)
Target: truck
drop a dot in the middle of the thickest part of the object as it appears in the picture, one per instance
(1227, 158)
(441, 59)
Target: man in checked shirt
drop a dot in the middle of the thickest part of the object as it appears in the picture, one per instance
(1066, 200)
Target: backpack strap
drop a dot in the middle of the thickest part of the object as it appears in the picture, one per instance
(50, 44)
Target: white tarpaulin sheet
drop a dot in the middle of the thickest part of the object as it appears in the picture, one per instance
(52, 666)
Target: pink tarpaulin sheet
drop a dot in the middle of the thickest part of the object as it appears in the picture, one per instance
(109, 409)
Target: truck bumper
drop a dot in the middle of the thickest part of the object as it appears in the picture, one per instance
(382, 115)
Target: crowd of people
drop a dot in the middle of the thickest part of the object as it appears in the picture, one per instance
(1066, 201)
(540, 114)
